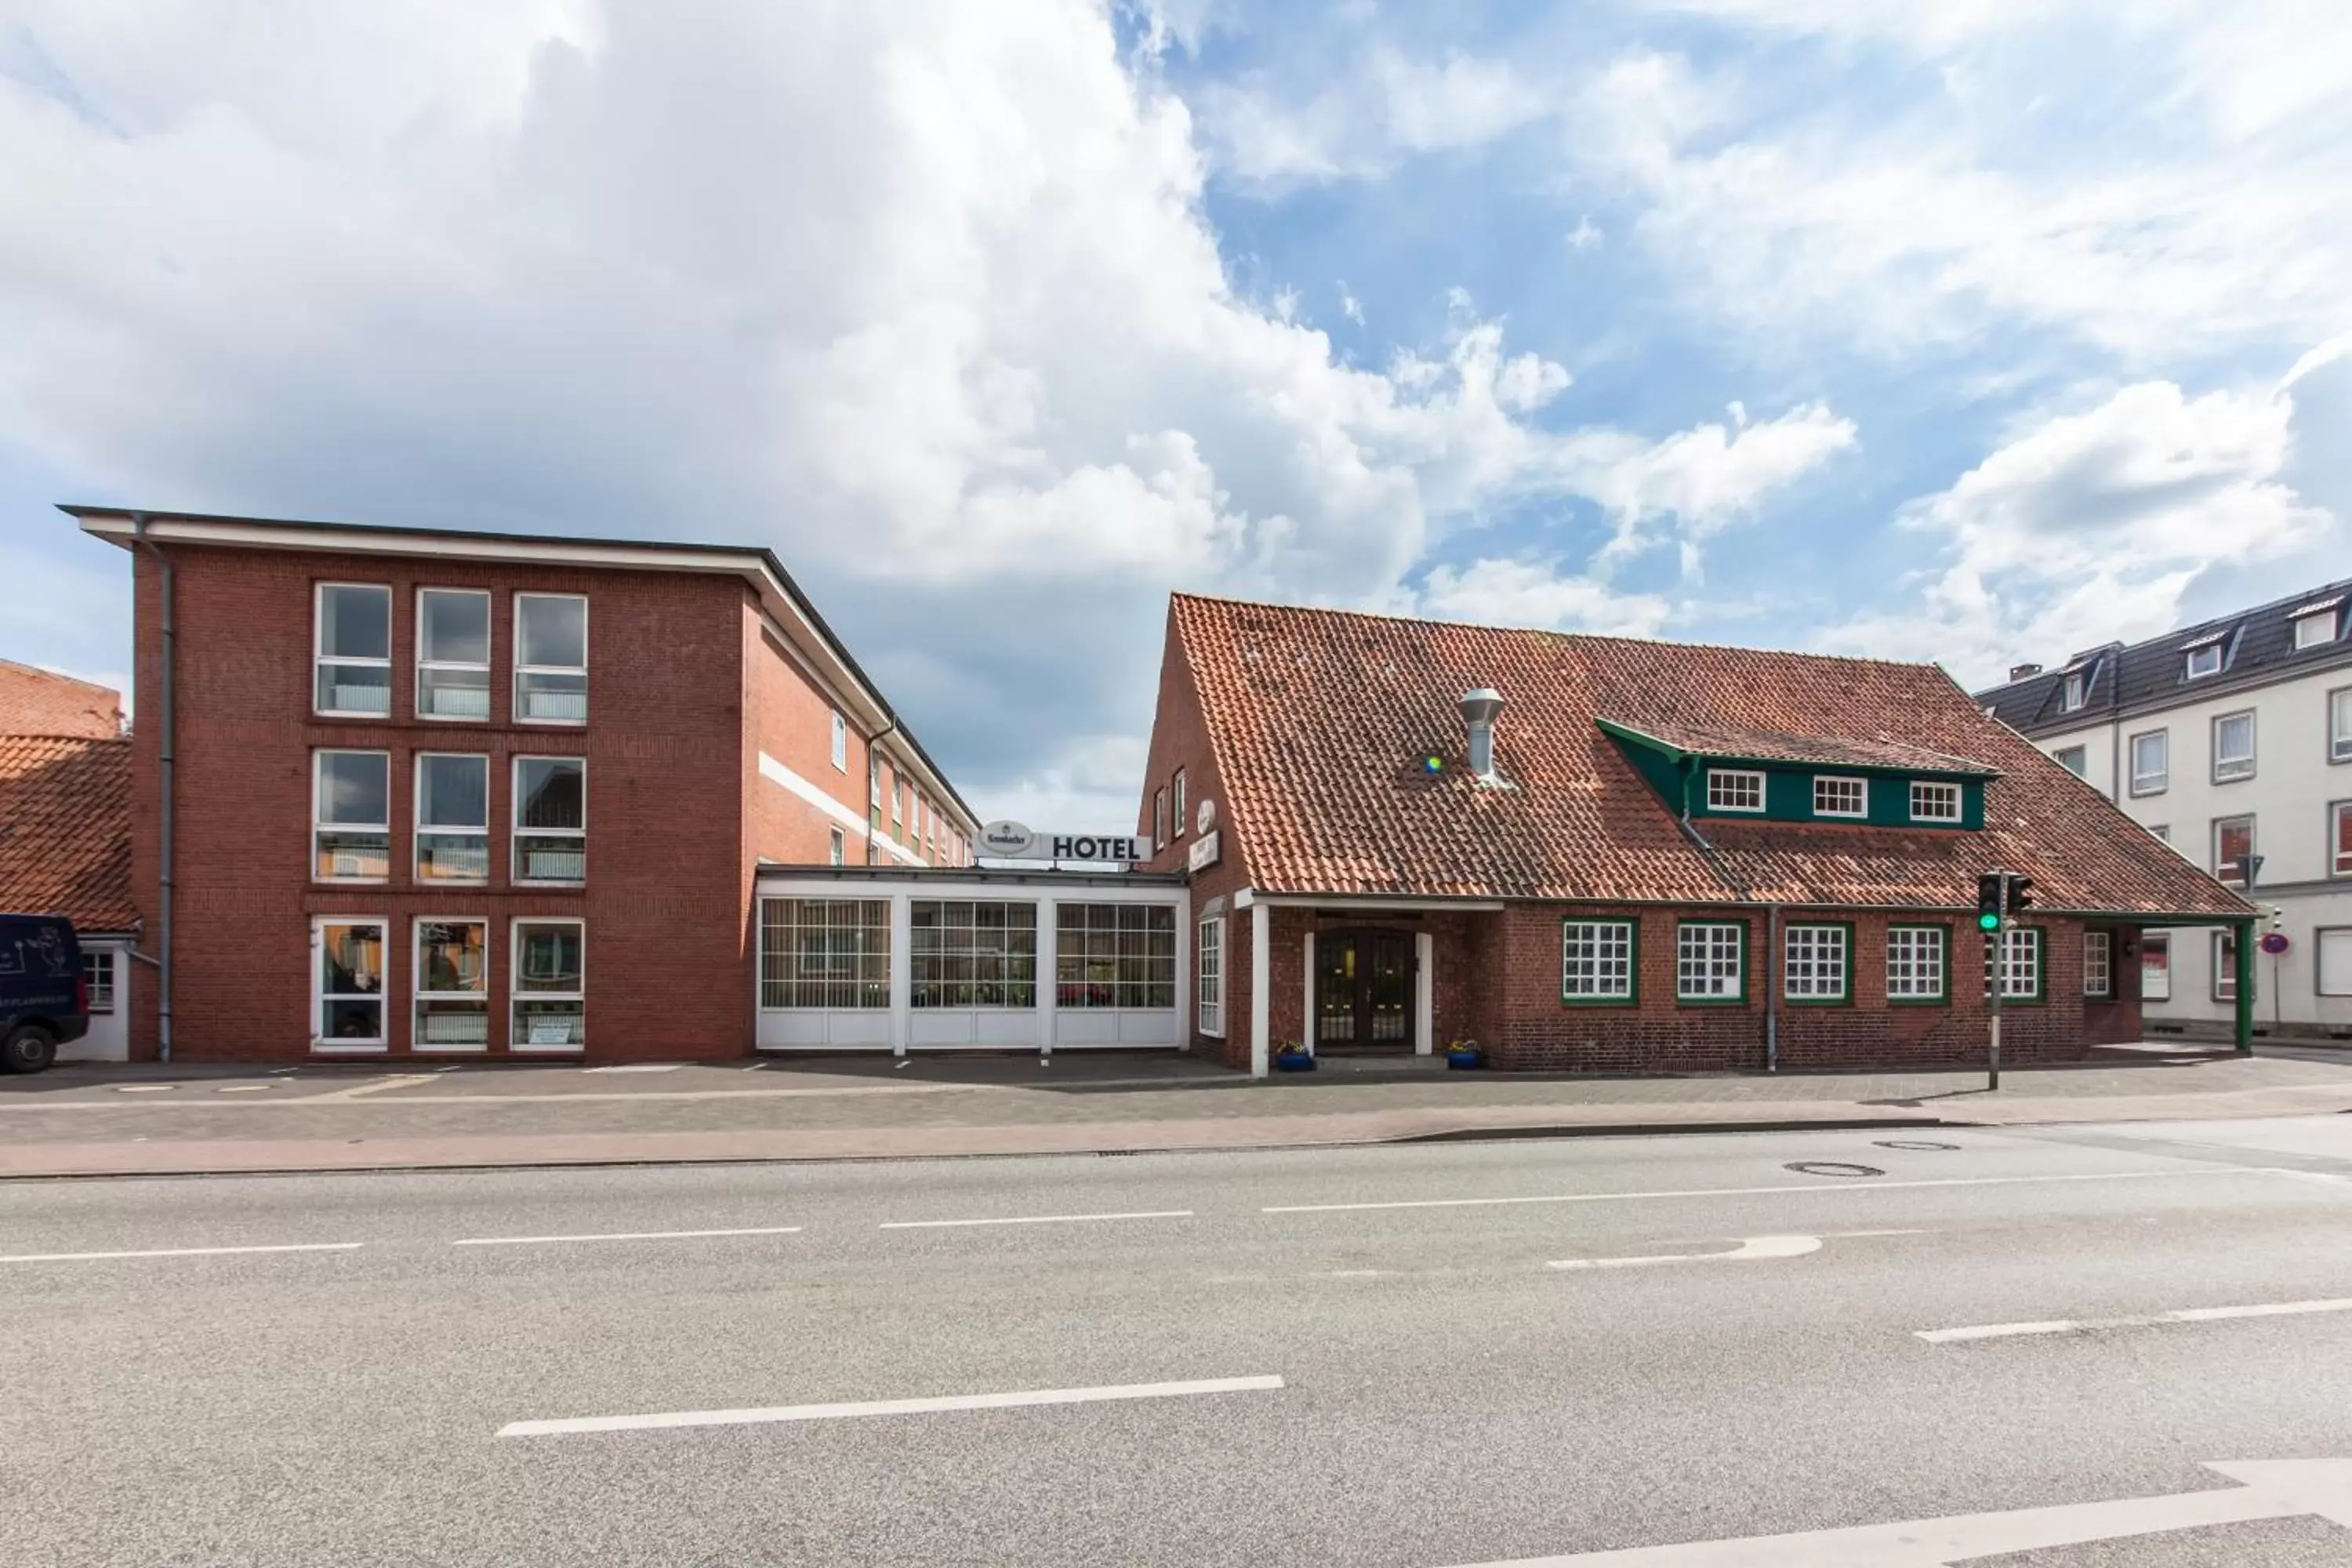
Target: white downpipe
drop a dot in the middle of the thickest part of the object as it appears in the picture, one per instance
(1261, 991)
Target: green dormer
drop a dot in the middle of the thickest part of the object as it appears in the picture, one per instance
(1704, 771)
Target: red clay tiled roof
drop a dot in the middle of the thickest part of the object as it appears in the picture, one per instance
(1318, 719)
(35, 701)
(65, 829)
(1776, 746)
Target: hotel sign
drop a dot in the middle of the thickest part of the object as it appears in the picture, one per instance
(1016, 841)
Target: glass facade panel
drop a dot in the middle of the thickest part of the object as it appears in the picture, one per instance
(1114, 955)
(973, 953)
(824, 952)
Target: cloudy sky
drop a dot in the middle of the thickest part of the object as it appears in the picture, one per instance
(1972, 331)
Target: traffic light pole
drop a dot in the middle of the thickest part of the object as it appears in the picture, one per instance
(2000, 940)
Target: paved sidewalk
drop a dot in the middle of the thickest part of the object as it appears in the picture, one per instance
(146, 1119)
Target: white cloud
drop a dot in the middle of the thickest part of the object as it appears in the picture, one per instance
(1516, 593)
(1349, 306)
(1585, 235)
(1378, 110)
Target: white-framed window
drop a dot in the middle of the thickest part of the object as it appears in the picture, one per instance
(1159, 818)
(2203, 660)
(972, 952)
(2233, 839)
(1596, 961)
(1917, 969)
(2020, 964)
(1177, 788)
(2076, 760)
(897, 793)
(874, 769)
(1708, 961)
(1933, 802)
(836, 848)
(2340, 725)
(551, 658)
(453, 653)
(2339, 839)
(352, 650)
(2156, 967)
(2234, 747)
(2098, 963)
(827, 954)
(2160, 831)
(1114, 956)
(1734, 789)
(551, 819)
(2314, 629)
(1841, 796)
(2076, 692)
(1208, 969)
(2151, 762)
(453, 818)
(98, 979)
(452, 989)
(2332, 955)
(549, 989)
(2225, 965)
(840, 743)
(350, 816)
(347, 983)
(1813, 963)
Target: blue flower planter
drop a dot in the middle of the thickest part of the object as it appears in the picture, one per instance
(1465, 1061)
(1293, 1061)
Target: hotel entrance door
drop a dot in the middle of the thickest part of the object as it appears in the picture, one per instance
(1364, 991)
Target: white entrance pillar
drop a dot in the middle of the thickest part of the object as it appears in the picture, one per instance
(902, 972)
(1261, 989)
(1424, 992)
(1049, 990)
(1307, 1003)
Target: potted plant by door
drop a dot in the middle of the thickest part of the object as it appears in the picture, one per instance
(1289, 1055)
(1463, 1056)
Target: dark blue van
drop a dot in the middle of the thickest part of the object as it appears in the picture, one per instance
(42, 1000)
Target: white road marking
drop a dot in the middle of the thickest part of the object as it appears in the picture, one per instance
(373, 1086)
(144, 1087)
(1789, 1187)
(626, 1236)
(638, 1066)
(2136, 1321)
(2284, 1488)
(183, 1252)
(244, 1088)
(886, 1407)
(1030, 1219)
(1755, 1247)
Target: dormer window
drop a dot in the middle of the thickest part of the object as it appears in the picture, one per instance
(2315, 626)
(2204, 659)
(2075, 693)
(1734, 789)
(1932, 802)
(1841, 798)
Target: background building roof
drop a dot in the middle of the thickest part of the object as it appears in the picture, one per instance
(1318, 720)
(35, 701)
(65, 829)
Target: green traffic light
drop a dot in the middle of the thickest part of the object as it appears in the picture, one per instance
(1988, 923)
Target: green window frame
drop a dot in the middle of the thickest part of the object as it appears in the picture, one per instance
(2038, 941)
(1699, 949)
(1589, 956)
(1816, 933)
(1943, 934)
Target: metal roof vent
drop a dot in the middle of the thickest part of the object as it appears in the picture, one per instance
(2021, 671)
(1480, 708)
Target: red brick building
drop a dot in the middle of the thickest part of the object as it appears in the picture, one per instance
(441, 793)
(1625, 855)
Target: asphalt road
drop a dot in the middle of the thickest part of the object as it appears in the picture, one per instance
(1346, 1356)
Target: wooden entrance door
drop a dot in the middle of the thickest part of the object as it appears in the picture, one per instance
(1364, 983)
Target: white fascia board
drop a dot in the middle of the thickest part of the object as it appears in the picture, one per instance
(1248, 897)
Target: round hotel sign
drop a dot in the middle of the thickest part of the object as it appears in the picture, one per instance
(1007, 839)
(1206, 817)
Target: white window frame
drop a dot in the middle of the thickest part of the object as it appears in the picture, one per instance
(517, 1040)
(2020, 949)
(446, 830)
(1176, 802)
(522, 714)
(2151, 943)
(1593, 943)
(320, 827)
(517, 832)
(2160, 779)
(836, 846)
(459, 667)
(1160, 839)
(2224, 987)
(1209, 972)
(2203, 662)
(1925, 942)
(418, 996)
(2339, 853)
(1838, 783)
(1711, 977)
(1731, 779)
(897, 793)
(321, 658)
(2322, 939)
(2235, 772)
(2226, 871)
(2075, 693)
(322, 1043)
(2081, 766)
(1816, 938)
(2323, 619)
(2340, 725)
(98, 988)
(2099, 965)
(840, 743)
(1936, 789)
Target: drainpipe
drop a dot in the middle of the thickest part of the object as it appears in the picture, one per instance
(163, 914)
(1772, 988)
(873, 784)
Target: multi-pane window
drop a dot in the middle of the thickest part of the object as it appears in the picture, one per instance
(350, 835)
(2340, 725)
(1734, 789)
(2314, 629)
(2339, 838)
(2203, 660)
(1596, 961)
(348, 974)
(2233, 840)
(98, 979)
(1708, 956)
(453, 818)
(2074, 759)
(2234, 747)
(1114, 955)
(453, 653)
(1179, 798)
(1813, 963)
(972, 954)
(1841, 798)
(2225, 965)
(840, 742)
(2156, 967)
(551, 1011)
(353, 650)
(551, 819)
(453, 985)
(2151, 764)
(2020, 964)
(897, 813)
(824, 952)
(2098, 963)
(1209, 970)
(551, 658)
(1933, 802)
(1915, 963)
(1159, 819)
